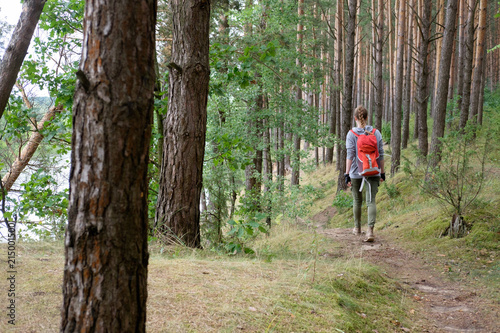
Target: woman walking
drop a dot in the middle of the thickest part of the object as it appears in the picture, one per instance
(354, 172)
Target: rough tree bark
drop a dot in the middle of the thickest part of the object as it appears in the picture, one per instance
(468, 60)
(408, 79)
(379, 83)
(18, 47)
(348, 84)
(422, 80)
(178, 211)
(478, 65)
(105, 273)
(443, 80)
(398, 91)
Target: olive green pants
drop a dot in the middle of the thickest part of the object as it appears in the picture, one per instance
(371, 191)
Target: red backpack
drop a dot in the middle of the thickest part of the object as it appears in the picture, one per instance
(367, 151)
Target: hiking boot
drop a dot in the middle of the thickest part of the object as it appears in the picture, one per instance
(369, 235)
(356, 231)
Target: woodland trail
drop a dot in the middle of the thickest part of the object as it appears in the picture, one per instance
(442, 305)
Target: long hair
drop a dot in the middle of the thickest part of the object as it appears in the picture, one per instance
(361, 115)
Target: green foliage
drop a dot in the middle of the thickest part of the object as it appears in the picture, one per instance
(386, 131)
(241, 231)
(343, 200)
(391, 189)
(459, 177)
(41, 197)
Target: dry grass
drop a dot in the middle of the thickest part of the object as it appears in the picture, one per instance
(203, 291)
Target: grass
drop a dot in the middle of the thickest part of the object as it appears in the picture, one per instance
(289, 285)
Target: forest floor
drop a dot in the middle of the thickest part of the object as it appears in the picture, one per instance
(444, 305)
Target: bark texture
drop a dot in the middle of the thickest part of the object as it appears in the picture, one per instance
(398, 90)
(348, 85)
(478, 66)
(18, 47)
(379, 83)
(178, 211)
(468, 60)
(105, 274)
(422, 80)
(443, 79)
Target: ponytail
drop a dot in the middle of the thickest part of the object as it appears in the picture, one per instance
(361, 115)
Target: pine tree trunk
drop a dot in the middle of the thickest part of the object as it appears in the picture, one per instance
(443, 80)
(422, 84)
(18, 47)
(178, 212)
(440, 7)
(298, 99)
(478, 66)
(461, 53)
(408, 82)
(338, 78)
(105, 273)
(468, 61)
(379, 83)
(396, 121)
(348, 85)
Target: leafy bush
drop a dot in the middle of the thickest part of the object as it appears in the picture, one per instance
(458, 178)
(343, 201)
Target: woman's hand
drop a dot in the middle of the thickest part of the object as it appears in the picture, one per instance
(347, 179)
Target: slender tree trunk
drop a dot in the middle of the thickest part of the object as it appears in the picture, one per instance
(338, 78)
(105, 273)
(408, 81)
(18, 47)
(443, 80)
(440, 7)
(422, 85)
(348, 85)
(178, 212)
(396, 121)
(298, 99)
(478, 66)
(461, 53)
(468, 61)
(379, 83)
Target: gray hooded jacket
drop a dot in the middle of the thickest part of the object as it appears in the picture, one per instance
(351, 140)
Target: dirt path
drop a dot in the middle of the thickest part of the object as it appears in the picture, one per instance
(444, 306)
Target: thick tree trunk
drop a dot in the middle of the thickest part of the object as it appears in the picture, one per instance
(178, 212)
(18, 47)
(105, 274)
(443, 80)
(348, 84)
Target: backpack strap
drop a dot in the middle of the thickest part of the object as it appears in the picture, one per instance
(374, 130)
(357, 135)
